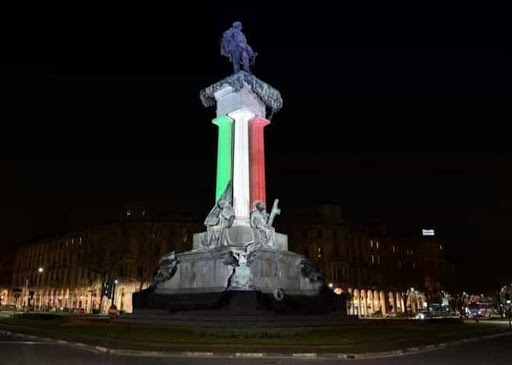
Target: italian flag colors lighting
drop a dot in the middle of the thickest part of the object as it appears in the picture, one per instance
(224, 154)
(256, 152)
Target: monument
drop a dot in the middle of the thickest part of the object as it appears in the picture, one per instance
(240, 262)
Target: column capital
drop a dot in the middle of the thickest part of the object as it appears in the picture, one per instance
(230, 99)
(222, 119)
(259, 120)
(242, 113)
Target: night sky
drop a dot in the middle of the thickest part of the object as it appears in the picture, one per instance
(398, 115)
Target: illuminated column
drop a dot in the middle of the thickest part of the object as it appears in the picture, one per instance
(241, 192)
(224, 153)
(257, 159)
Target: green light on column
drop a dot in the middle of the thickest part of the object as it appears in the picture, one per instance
(224, 153)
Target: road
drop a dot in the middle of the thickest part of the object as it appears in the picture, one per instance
(17, 351)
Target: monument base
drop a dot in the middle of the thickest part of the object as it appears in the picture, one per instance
(238, 302)
(229, 278)
(236, 268)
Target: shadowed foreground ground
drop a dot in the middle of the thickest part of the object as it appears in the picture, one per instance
(13, 351)
(366, 336)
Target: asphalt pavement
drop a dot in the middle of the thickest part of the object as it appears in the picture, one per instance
(14, 350)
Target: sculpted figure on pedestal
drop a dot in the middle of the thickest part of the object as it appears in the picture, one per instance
(219, 219)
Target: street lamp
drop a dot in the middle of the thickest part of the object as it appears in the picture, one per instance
(114, 291)
(509, 322)
(39, 270)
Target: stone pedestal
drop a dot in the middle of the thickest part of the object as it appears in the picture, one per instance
(230, 99)
(240, 236)
(212, 271)
(238, 280)
(243, 302)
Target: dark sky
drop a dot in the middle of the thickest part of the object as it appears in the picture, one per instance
(398, 114)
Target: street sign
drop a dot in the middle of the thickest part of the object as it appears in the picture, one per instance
(112, 311)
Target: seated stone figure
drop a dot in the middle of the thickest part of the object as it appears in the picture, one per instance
(219, 219)
(261, 222)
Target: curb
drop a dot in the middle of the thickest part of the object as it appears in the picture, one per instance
(253, 355)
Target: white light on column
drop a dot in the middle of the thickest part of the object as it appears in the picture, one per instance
(241, 193)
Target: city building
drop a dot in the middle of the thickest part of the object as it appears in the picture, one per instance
(6, 268)
(381, 275)
(67, 272)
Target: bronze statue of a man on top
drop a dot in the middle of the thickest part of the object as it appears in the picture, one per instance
(234, 46)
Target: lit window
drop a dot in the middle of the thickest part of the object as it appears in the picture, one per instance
(371, 243)
(377, 245)
(394, 249)
(320, 252)
(128, 213)
(373, 259)
(440, 247)
(378, 260)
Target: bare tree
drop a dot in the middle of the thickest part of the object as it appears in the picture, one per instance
(149, 254)
(102, 255)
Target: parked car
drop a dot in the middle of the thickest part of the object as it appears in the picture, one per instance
(482, 310)
(422, 314)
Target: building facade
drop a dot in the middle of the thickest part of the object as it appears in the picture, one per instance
(67, 272)
(6, 268)
(380, 274)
